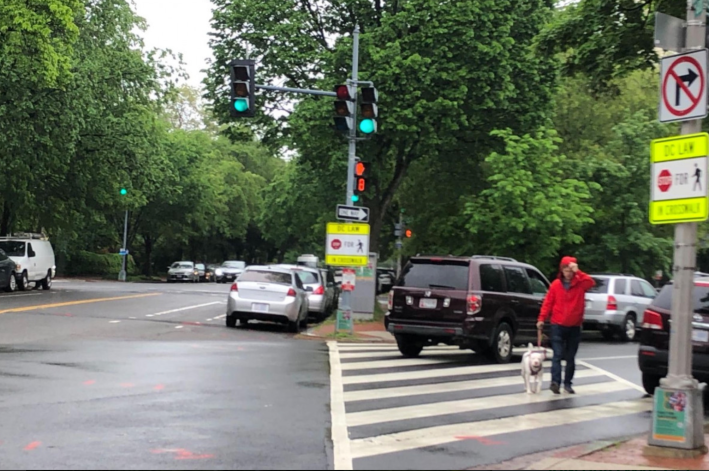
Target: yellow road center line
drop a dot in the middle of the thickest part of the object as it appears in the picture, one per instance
(76, 303)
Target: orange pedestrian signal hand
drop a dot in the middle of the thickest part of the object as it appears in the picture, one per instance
(409, 233)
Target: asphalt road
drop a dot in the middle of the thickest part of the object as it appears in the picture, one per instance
(146, 376)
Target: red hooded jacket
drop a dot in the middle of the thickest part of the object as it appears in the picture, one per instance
(566, 307)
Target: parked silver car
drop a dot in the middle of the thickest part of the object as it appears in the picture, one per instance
(229, 271)
(271, 294)
(182, 271)
(616, 305)
(321, 292)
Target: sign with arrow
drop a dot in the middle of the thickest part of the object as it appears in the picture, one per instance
(352, 213)
(683, 87)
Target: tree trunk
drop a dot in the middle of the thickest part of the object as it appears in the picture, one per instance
(148, 263)
(5, 222)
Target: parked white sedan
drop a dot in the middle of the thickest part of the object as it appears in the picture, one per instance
(271, 294)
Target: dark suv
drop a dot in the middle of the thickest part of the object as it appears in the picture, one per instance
(655, 336)
(488, 304)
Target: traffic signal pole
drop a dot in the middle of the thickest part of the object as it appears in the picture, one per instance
(679, 382)
(123, 275)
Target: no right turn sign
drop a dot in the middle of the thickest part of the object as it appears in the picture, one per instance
(683, 87)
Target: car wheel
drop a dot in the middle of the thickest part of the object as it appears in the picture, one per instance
(231, 321)
(608, 334)
(12, 286)
(629, 330)
(47, 282)
(304, 322)
(409, 346)
(501, 350)
(24, 283)
(294, 327)
(650, 382)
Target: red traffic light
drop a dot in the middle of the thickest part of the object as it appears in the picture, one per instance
(343, 92)
(361, 184)
(360, 168)
(409, 233)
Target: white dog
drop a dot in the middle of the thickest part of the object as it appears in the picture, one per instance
(533, 369)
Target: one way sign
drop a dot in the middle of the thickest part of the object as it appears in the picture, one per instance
(352, 213)
(683, 87)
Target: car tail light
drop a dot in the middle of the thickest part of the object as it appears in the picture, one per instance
(234, 287)
(652, 320)
(391, 300)
(612, 304)
(319, 290)
(291, 293)
(475, 304)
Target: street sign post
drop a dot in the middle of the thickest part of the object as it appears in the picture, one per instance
(679, 179)
(352, 213)
(347, 245)
(683, 87)
(123, 252)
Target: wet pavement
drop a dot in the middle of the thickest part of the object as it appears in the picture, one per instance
(146, 376)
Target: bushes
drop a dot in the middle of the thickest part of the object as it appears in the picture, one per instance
(88, 263)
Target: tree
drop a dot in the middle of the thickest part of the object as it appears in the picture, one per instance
(532, 206)
(448, 74)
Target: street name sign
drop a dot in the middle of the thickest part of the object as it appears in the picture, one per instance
(347, 245)
(352, 213)
(683, 88)
(679, 179)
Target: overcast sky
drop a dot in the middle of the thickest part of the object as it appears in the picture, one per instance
(182, 26)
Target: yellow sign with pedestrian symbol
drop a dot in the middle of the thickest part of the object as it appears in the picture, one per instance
(347, 245)
(679, 179)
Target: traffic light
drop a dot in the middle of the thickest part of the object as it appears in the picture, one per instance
(360, 180)
(344, 109)
(243, 87)
(368, 110)
(124, 192)
(408, 233)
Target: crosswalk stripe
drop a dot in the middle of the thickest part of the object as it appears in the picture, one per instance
(471, 405)
(435, 436)
(388, 393)
(397, 354)
(367, 365)
(441, 373)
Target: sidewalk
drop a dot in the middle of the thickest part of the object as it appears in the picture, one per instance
(621, 455)
(364, 332)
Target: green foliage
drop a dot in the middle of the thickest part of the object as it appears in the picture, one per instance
(532, 206)
(94, 264)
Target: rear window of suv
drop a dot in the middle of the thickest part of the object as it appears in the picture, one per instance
(435, 275)
(602, 285)
(701, 298)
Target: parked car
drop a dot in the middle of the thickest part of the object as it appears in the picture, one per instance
(385, 280)
(308, 260)
(230, 271)
(268, 293)
(321, 292)
(211, 271)
(8, 268)
(34, 259)
(182, 271)
(616, 304)
(202, 271)
(485, 303)
(655, 336)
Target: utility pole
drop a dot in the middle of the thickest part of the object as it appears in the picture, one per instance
(400, 244)
(346, 299)
(680, 386)
(123, 275)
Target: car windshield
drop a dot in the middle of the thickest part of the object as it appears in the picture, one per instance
(435, 275)
(602, 285)
(263, 276)
(701, 298)
(307, 277)
(234, 265)
(13, 248)
(182, 265)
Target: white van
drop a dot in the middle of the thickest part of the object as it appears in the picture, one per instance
(34, 257)
(308, 260)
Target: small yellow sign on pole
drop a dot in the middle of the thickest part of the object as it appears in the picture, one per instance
(679, 179)
(347, 245)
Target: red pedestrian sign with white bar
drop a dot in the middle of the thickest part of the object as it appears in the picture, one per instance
(683, 87)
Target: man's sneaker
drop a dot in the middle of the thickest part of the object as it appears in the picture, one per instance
(569, 390)
(555, 388)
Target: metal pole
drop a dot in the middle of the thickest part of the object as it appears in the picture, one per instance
(679, 375)
(306, 91)
(124, 275)
(347, 295)
(401, 242)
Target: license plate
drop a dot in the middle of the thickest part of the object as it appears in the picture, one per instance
(428, 303)
(700, 336)
(256, 307)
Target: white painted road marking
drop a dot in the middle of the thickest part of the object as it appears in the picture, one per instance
(183, 309)
(340, 437)
(626, 357)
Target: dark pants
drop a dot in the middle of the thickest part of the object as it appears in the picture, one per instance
(565, 343)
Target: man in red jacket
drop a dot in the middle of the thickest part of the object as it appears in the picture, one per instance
(565, 303)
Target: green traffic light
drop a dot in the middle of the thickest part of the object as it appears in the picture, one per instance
(241, 105)
(355, 198)
(124, 192)
(367, 126)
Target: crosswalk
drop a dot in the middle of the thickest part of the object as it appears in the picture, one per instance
(451, 409)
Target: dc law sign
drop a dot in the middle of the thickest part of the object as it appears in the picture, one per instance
(678, 187)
